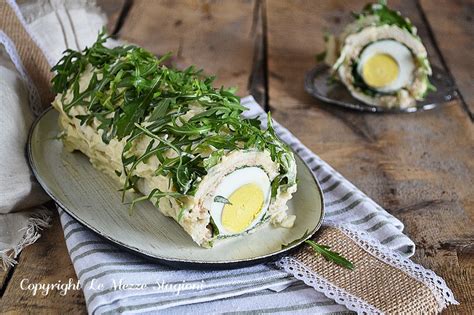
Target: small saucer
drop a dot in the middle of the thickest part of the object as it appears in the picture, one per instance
(317, 84)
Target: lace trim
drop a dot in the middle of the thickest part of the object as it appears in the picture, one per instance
(320, 284)
(444, 296)
(33, 95)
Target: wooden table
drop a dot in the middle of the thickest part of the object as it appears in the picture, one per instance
(417, 166)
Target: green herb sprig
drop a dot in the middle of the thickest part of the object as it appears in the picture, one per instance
(325, 251)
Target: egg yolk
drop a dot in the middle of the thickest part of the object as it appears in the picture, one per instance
(380, 70)
(246, 204)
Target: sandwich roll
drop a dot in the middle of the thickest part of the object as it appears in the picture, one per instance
(174, 139)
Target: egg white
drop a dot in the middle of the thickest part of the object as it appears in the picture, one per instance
(400, 53)
(232, 182)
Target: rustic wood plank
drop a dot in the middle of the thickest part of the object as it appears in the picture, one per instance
(47, 261)
(418, 166)
(295, 36)
(4, 277)
(113, 9)
(453, 30)
(217, 36)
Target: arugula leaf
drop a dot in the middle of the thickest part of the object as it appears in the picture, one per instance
(325, 251)
(154, 194)
(223, 200)
(386, 16)
(431, 87)
(215, 229)
(213, 159)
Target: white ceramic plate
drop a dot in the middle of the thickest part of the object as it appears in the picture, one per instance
(94, 200)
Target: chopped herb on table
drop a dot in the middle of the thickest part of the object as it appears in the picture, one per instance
(325, 251)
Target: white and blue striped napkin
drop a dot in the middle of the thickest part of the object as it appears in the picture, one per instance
(116, 281)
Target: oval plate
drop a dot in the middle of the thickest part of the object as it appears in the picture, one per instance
(93, 199)
(316, 84)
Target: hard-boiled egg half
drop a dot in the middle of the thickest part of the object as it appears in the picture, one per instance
(386, 66)
(241, 200)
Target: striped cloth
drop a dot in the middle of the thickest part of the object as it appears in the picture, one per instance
(105, 270)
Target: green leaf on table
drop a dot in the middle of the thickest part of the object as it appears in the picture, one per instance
(325, 251)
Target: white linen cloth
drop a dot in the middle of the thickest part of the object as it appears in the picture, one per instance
(102, 267)
(54, 25)
(21, 216)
